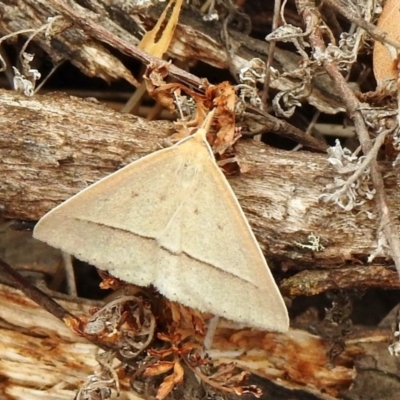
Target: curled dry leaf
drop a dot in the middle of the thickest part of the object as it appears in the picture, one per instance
(224, 98)
(385, 61)
(177, 350)
(170, 382)
(159, 368)
(126, 323)
(129, 326)
(75, 324)
(252, 389)
(185, 318)
(109, 282)
(165, 93)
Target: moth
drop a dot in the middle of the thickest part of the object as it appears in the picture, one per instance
(171, 219)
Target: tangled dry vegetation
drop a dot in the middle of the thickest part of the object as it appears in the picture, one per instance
(307, 101)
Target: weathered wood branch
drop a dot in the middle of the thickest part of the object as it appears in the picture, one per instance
(53, 146)
(121, 27)
(201, 43)
(42, 358)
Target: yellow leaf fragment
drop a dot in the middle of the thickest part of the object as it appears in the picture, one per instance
(158, 47)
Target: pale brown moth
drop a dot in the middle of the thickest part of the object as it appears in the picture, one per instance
(172, 220)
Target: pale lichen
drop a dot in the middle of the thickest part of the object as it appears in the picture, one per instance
(314, 243)
(352, 187)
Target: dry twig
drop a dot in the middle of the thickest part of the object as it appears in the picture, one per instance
(311, 17)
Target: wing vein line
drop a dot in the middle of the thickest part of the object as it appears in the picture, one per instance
(166, 249)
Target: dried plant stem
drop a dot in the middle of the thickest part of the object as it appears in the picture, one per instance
(311, 18)
(47, 303)
(69, 274)
(374, 31)
(211, 329)
(35, 294)
(275, 24)
(97, 31)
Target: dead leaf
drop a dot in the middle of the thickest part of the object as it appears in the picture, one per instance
(164, 93)
(170, 382)
(159, 368)
(385, 62)
(158, 47)
(224, 98)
